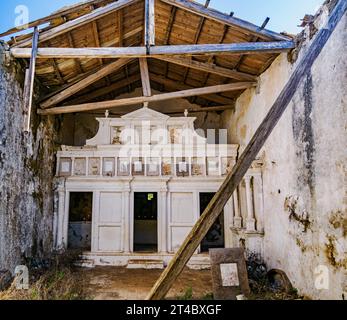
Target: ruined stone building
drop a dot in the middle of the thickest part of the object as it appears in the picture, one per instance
(140, 110)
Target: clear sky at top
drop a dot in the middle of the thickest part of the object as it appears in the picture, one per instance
(285, 14)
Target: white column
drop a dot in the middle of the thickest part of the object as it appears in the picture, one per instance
(95, 221)
(237, 217)
(228, 223)
(66, 220)
(60, 222)
(163, 222)
(126, 223)
(250, 223)
(259, 210)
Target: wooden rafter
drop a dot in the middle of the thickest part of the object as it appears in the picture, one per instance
(140, 100)
(196, 38)
(212, 58)
(253, 39)
(140, 52)
(108, 69)
(176, 85)
(236, 23)
(208, 67)
(77, 61)
(78, 22)
(235, 177)
(106, 90)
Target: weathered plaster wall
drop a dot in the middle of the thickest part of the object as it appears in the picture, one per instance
(77, 128)
(305, 167)
(26, 171)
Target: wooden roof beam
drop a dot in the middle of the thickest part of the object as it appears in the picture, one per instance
(176, 85)
(140, 100)
(220, 17)
(78, 22)
(108, 69)
(141, 52)
(208, 67)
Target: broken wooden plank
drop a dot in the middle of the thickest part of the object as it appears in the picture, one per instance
(78, 22)
(234, 178)
(220, 17)
(29, 82)
(208, 67)
(108, 69)
(146, 84)
(140, 52)
(140, 100)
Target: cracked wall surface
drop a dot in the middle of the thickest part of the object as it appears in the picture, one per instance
(26, 173)
(305, 194)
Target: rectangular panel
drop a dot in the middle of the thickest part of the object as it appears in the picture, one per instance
(110, 207)
(110, 239)
(178, 235)
(65, 167)
(80, 167)
(94, 166)
(108, 167)
(182, 210)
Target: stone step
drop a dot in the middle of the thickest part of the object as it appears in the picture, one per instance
(85, 263)
(145, 264)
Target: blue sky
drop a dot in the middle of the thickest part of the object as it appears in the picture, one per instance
(285, 14)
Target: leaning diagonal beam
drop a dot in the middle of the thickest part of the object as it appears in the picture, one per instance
(105, 71)
(29, 83)
(139, 100)
(214, 209)
(138, 52)
(78, 22)
(220, 17)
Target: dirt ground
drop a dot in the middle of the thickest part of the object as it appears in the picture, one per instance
(113, 283)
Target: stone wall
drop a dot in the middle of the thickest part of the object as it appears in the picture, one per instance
(305, 166)
(26, 172)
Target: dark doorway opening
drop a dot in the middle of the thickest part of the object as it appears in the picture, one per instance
(215, 237)
(80, 220)
(145, 222)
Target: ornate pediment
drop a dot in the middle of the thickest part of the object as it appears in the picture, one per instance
(146, 114)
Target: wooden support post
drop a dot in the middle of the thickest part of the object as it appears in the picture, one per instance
(29, 82)
(149, 25)
(146, 85)
(234, 178)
